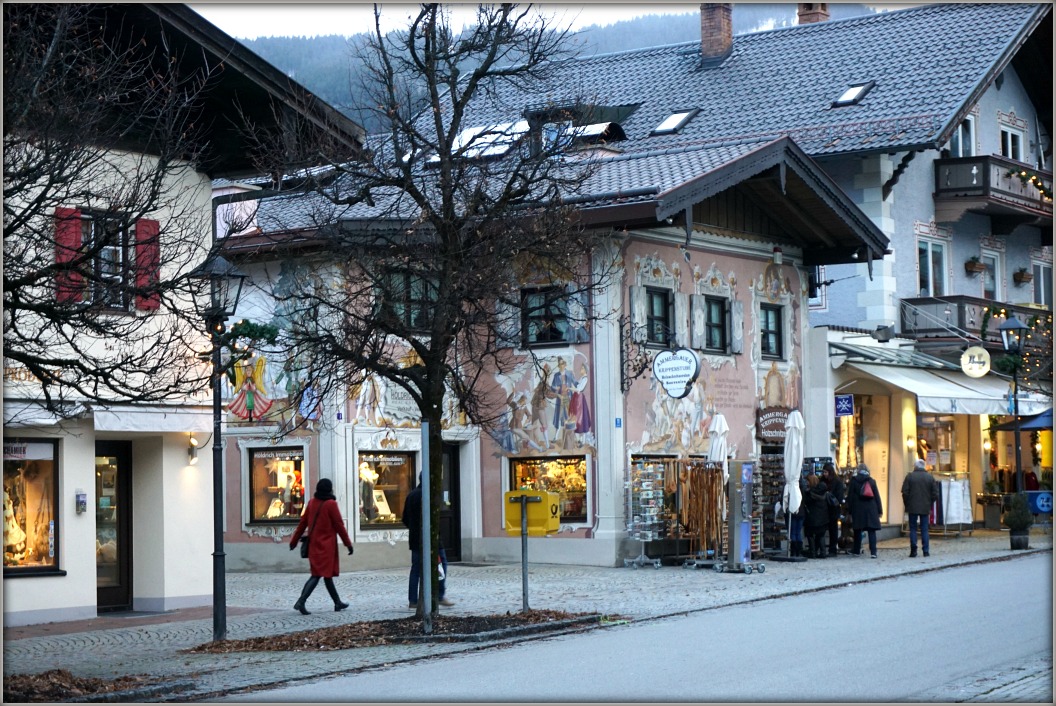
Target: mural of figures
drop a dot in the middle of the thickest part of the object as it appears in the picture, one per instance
(369, 400)
(540, 406)
(548, 408)
(251, 400)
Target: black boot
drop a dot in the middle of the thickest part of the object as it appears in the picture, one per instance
(332, 590)
(912, 551)
(309, 586)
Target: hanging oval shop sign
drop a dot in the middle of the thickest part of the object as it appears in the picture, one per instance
(975, 362)
(676, 370)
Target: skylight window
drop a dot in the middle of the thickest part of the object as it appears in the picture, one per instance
(854, 94)
(674, 122)
(487, 141)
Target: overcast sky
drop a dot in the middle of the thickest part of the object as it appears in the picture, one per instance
(256, 19)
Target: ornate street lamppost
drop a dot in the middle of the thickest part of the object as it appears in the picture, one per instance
(1012, 333)
(225, 286)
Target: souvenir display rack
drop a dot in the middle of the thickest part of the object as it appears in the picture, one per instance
(645, 508)
(703, 511)
(770, 487)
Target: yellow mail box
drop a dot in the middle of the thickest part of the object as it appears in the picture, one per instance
(544, 513)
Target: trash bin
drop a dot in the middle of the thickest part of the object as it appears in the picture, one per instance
(991, 503)
(992, 516)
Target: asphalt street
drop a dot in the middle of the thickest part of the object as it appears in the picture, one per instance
(261, 604)
(859, 643)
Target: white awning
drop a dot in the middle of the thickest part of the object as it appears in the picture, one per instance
(951, 392)
(21, 414)
(153, 419)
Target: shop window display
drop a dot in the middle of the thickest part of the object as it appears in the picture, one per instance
(385, 479)
(277, 478)
(565, 475)
(30, 503)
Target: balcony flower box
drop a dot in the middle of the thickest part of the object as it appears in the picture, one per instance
(1022, 277)
(974, 266)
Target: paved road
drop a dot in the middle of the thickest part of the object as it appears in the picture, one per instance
(856, 643)
(261, 604)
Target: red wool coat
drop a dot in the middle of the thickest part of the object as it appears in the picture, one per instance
(325, 518)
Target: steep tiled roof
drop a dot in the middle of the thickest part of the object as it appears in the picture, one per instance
(926, 62)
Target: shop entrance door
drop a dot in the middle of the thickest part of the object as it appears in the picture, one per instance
(450, 510)
(113, 525)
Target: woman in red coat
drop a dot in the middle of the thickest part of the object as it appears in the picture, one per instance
(322, 519)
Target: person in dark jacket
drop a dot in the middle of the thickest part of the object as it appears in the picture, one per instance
(865, 510)
(412, 518)
(919, 493)
(323, 522)
(817, 520)
(796, 519)
(836, 489)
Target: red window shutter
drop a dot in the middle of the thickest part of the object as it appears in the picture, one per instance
(148, 262)
(69, 283)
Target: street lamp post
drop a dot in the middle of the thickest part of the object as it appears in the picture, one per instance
(1012, 333)
(225, 286)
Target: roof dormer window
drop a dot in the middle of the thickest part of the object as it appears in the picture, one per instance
(854, 94)
(674, 122)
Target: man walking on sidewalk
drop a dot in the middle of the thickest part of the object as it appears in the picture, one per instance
(919, 492)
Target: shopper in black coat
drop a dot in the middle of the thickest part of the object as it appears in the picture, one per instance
(836, 488)
(817, 516)
(865, 511)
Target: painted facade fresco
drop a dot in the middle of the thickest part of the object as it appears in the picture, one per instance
(736, 382)
(548, 407)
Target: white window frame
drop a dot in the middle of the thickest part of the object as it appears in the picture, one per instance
(995, 268)
(964, 132)
(1042, 284)
(1009, 149)
(933, 243)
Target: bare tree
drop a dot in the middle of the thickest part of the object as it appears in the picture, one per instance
(415, 256)
(103, 209)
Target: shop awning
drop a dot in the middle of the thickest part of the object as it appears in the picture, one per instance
(23, 414)
(153, 419)
(951, 392)
(1037, 422)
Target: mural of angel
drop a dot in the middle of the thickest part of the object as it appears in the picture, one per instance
(251, 400)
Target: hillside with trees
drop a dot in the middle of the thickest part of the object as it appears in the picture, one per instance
(328, 65)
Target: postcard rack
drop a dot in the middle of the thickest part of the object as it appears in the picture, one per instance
(645, 509)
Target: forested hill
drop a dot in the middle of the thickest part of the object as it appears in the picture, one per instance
(326, 64)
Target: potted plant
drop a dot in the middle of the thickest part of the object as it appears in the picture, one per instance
(1022, 276)
(973, 265)
(1018, 520)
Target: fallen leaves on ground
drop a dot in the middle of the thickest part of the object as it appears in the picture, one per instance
(60, 685)
(382, 632)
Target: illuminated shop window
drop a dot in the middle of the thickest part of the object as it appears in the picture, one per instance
(277, 482)
(566, 475)
(385, 478)
(31, 531)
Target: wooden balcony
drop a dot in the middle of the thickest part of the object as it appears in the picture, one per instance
(942, 318)
(991, 185)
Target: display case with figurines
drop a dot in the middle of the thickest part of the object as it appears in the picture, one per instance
(30, 499)
(645, 508)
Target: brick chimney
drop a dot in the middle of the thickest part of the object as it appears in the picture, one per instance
(716, 30)
(810, 12)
